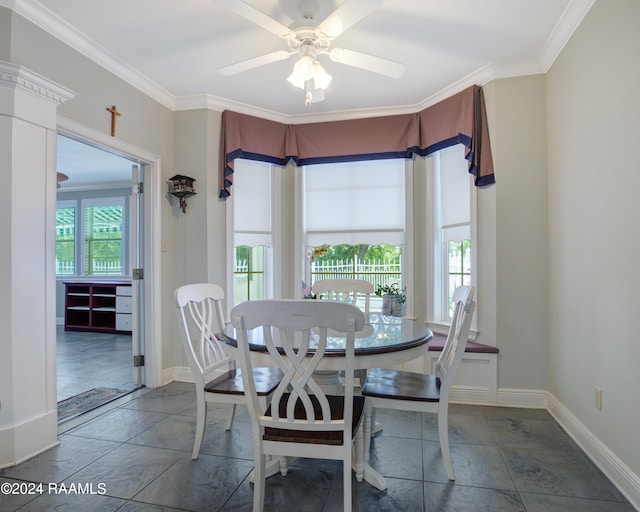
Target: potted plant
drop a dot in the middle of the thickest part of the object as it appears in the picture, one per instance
(393, 299)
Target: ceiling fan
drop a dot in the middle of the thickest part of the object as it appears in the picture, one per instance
(60, 176)
(309, 39)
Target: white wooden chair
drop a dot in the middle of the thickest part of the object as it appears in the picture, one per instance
(350, 291)
(217, 380)
(408, 391)
(302, 421)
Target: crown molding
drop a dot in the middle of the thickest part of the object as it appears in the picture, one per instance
(25, 80)
(44, 18)
(562, 32)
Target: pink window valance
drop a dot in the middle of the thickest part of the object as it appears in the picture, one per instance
(459, 119)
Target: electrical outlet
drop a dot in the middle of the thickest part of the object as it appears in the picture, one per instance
(597, 398)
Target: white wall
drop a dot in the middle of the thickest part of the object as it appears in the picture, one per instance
(518, 139)
(594, 226)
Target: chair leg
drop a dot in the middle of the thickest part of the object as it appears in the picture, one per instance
(358, 463)
(368, 412)
(201, 414)
(346, 482)
(259, 478)
(284, 465)
(230, 415)
(443, 435)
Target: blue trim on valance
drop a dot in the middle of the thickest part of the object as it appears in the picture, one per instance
(463, 112)
(355, 158)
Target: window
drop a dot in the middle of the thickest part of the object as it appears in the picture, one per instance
(354, 221)
(103, 244)
(450, 213)
(410, 222)
(252, 231)
(100, 251)
(66, 239)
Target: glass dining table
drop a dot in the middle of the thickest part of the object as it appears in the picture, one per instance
(385, 341)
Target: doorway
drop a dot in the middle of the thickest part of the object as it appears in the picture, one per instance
(99, 300)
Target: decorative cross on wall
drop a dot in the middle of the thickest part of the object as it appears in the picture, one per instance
(114, 114)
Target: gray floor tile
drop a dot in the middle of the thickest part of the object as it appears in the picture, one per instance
(174, 432)
(135, 506)
(400, 496)
(397, 457)
(128, 469)
(118, 425)
(474, 465)
(73, 503)
(62, 461)
(557, 473)
(528, 433)
(166, 400)
(18, 494)
(237, 442)
(302, 490)
(454, 498)
(399, 423)
(470, 429)
(202, 484)
(141, 449)
(546, 503)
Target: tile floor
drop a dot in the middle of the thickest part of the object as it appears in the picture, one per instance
(139, 448)
(87, 360)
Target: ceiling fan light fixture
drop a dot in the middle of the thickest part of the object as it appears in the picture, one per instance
(321, 79)
(302, 71)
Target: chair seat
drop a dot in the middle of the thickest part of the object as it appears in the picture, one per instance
(230, 383)
(400, 385)
(334, 438)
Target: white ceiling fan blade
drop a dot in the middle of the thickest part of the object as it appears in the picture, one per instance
(368, 62)
(259, 18)
(348, 14)
(255, 62)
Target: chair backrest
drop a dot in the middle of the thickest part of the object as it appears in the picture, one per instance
(295, 334)
(451, 357)
(349, 291)
(200, 311)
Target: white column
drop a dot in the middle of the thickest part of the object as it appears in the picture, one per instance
(28, 405)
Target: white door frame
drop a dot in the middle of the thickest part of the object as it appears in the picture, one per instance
(151, 243)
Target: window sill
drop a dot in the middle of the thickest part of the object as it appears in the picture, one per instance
(437, 344)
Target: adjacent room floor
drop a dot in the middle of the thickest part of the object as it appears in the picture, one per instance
(88, 360)
(135, 454)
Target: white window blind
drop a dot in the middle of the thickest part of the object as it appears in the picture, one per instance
(355, 203)
(252, 203)
(455, 182)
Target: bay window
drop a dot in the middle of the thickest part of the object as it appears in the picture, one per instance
(451, 215)
(354, 221)
(250, 219)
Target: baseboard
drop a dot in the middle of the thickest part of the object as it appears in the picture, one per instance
(182, 374)
(471, 395)
(627, 482)
(21, 442)
(531, 398)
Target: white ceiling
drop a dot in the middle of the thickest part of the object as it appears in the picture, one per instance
(89, 167)
(171, 50)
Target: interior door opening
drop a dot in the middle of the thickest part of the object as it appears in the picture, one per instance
(99, 306)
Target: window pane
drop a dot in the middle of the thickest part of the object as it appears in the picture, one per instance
(379, 264)
(248, 275)
(459, 267)
(65, 241)
(103, 240)
(355, 202)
